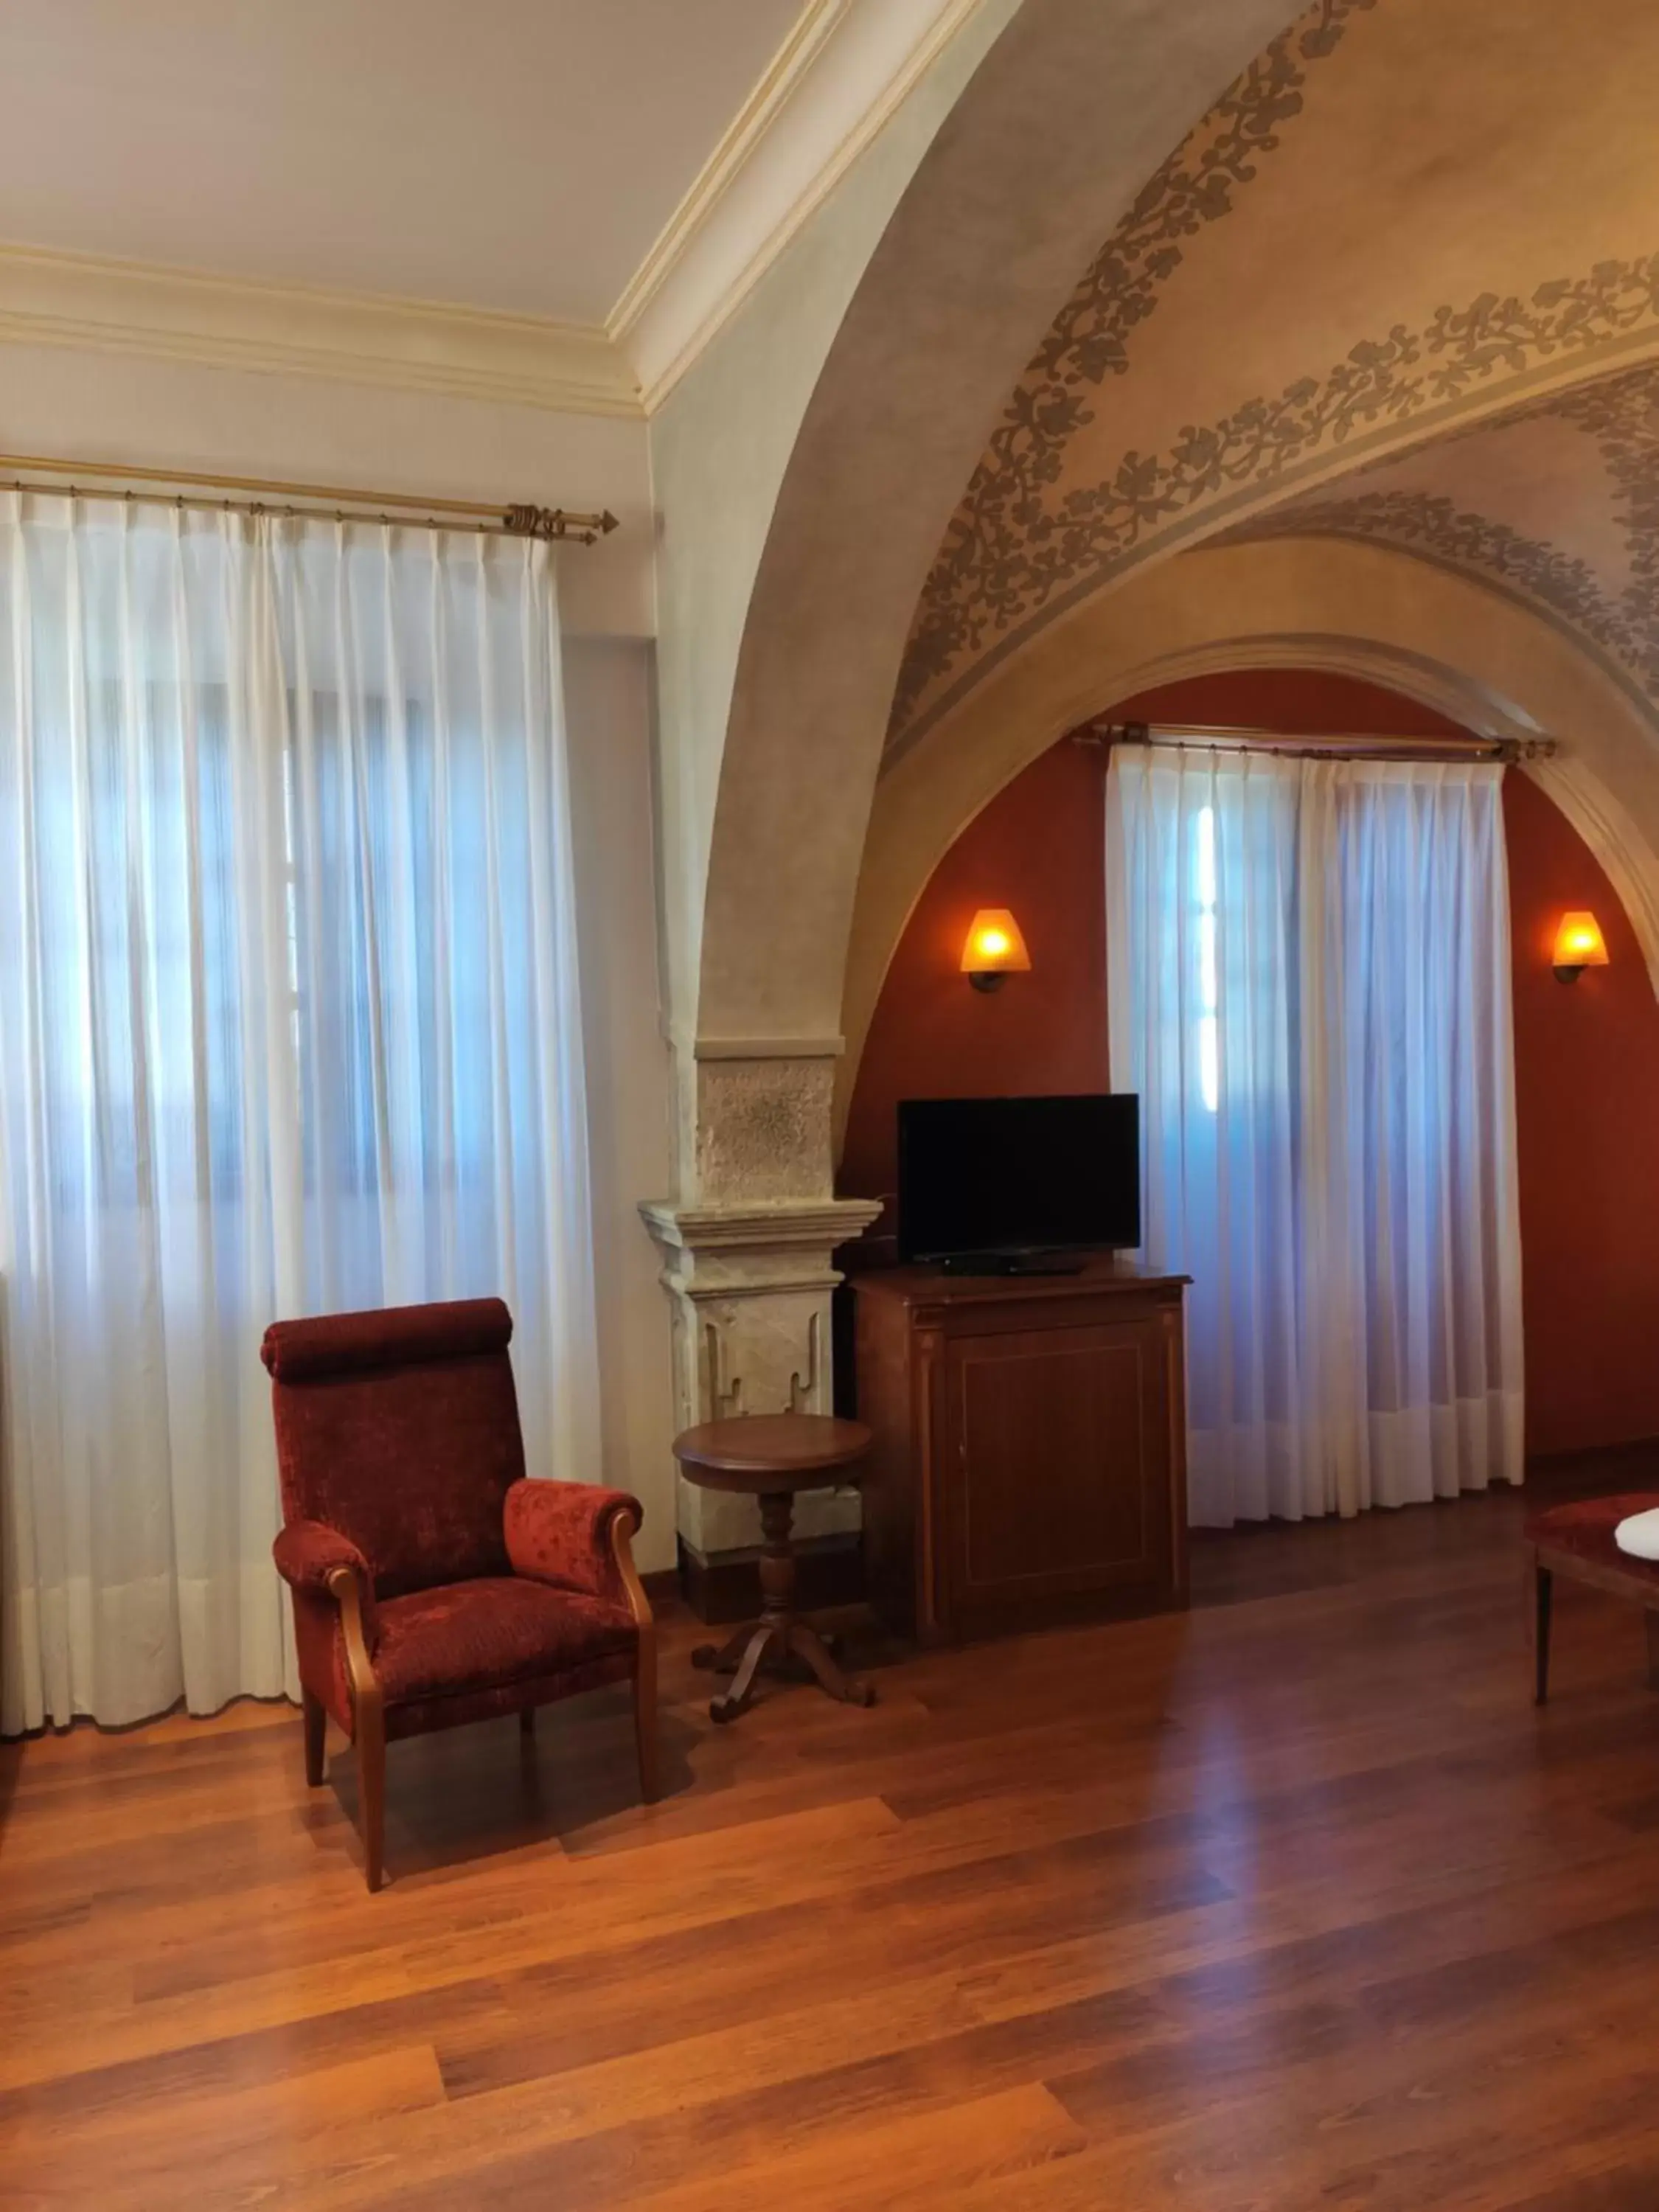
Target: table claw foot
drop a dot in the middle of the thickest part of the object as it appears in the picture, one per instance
(730, 1703)
(849, 1689)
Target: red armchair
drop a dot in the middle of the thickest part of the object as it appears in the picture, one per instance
(432, 1582)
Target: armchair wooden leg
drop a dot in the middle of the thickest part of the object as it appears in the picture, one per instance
(1652, 1622)
(527, 1720)
(644, 1710)
(371, 1791)
(623, 1526)
(316, 1724)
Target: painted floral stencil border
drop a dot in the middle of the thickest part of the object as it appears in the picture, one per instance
(1380, 382)
(1618, 412)
(1007, 552)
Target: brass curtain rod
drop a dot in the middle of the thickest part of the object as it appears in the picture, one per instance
(116, 480)
(1343, 744)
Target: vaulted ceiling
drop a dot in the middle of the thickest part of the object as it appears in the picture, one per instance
(1555, 501)
(1400, 283)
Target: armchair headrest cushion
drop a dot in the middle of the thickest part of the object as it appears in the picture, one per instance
(394, 1336)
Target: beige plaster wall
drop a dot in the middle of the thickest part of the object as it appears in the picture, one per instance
(610, 685)
(721, 446)
(100, 406)
(803, 484)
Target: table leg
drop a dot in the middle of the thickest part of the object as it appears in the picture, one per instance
(805, 1642)
(777, 1562)
(778, 1636)
(722, 1658)
(730, 1703)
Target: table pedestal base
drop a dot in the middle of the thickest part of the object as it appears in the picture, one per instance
(780, 1640)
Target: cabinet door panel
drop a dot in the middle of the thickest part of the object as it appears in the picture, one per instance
(1060, 1453)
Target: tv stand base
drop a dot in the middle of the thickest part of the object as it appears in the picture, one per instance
(1012, 1263)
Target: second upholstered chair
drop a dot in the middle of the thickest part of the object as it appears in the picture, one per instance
(434, 1582)
(1577, 1540)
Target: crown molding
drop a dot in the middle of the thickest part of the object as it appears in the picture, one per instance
(225, 322)
(778, 83)
(845, 68)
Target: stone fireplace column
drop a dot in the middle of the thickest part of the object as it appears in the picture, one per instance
(748, 1264)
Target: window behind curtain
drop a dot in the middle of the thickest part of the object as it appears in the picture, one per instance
(287, 955)
(1309, 990)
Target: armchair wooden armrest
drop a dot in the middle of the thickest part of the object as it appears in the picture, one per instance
(579, 1536)
(319, 1563)
(352, 1592)
(575, 1535)
(309, 1554)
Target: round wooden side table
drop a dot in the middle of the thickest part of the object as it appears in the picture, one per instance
(769, 1456)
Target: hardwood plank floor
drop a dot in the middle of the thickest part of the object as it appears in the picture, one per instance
(1293, 1901)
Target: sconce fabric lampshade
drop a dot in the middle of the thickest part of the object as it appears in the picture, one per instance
(995, 948)
(1578, 944)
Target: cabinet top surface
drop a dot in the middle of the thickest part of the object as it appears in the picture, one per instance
(1106, 1274)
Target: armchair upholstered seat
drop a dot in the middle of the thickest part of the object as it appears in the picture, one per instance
(432, 1582)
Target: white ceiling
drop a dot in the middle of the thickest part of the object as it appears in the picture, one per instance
(515, 154)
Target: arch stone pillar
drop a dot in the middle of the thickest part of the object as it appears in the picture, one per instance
(805, 469)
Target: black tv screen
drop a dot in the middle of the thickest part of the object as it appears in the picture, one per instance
(1018, 1175)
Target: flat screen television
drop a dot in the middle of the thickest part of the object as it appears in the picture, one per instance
(1017, 1177)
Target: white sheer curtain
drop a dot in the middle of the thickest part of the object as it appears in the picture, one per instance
(1310, 988)
(288, 958)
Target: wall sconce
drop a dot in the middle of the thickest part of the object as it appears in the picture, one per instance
(994, 949)
(1578, 944)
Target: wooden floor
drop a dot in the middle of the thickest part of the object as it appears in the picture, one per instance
(1294, 1901)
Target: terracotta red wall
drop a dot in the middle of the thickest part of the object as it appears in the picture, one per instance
(1587, 1109)
(1587, 1056)
(1039, 848)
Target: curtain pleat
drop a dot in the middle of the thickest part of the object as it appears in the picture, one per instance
(286, 946)
(1310, 988)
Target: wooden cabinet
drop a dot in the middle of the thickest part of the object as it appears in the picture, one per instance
(1029, 1457)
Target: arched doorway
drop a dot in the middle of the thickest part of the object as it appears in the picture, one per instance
(809, 467)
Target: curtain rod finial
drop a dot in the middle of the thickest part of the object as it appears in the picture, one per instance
(550, 522)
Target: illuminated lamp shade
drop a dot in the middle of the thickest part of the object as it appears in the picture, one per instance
(994, 949)
(1578, 944)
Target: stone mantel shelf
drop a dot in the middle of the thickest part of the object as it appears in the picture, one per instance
(788, 1222)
